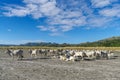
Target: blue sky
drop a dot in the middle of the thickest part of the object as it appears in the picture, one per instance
(60, 21)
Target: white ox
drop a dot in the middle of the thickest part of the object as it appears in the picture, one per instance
(62, 57)
(110, 55)
(43, 52)
(90, 54)
(106, 54)
(33, 53)
(15, 53)
(79, 54)
(75, 55)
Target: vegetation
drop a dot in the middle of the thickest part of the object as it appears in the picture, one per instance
(109, 42)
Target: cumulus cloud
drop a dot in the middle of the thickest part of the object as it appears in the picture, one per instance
(49, 9)
(111, 12)
(50, 28)
(42, 28)
(66, 28)
(18, 11)
(66, 15)
(98, 21)
(35, 1)
(35, 8)
(100, 3)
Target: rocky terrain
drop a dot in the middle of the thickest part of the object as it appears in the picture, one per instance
(53, 69)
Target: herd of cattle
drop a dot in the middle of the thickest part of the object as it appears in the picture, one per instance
(62, 54)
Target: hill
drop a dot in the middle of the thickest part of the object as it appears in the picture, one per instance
(109, 42)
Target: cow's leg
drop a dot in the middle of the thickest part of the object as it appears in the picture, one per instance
(31, 55)
(35, 55)
(13, 57)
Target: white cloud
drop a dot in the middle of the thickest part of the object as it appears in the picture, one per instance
(111, 12)
(53, 29)
(100, 3)
(18, 11)
(67, 20)
(66, 28)
(65, 15)
(35, 1)
(50, 28)
(55, 34)
(26, 41)
(19, 41)
(49, 9)
(35, 8)
(98, 21)
(42, 28)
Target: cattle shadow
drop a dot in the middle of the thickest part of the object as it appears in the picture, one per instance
(33, 59)
(89, 59)
(116, 56)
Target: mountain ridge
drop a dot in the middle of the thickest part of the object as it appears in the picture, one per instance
(107, 42)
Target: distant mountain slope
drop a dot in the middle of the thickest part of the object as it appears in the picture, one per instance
(109, 42)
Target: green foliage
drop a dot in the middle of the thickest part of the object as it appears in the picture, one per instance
(109, 42)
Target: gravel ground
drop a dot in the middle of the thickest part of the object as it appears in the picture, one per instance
(54, 69)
